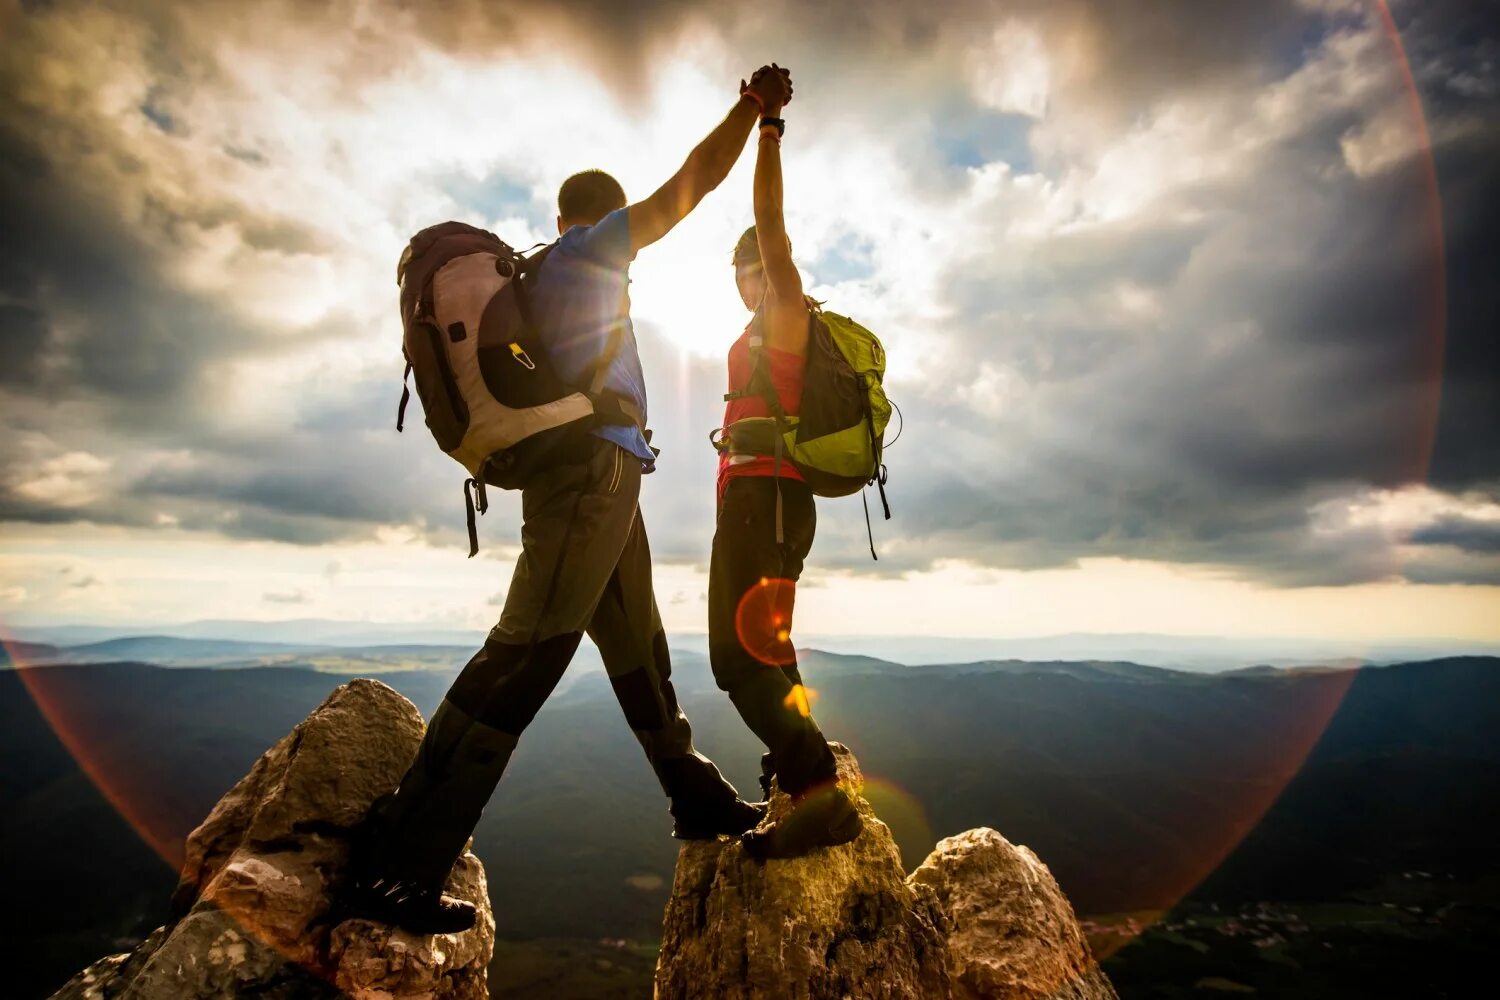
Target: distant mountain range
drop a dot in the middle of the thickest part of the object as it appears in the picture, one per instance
(240, 643)
(226, 654)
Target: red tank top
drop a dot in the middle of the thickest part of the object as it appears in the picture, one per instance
(786, 376)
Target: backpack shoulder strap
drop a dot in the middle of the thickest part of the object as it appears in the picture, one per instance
(610, 406)
(759, 381)
(526, 274)
(526, 271)
(607, 357)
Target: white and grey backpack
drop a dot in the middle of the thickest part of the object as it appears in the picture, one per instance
(488, 391)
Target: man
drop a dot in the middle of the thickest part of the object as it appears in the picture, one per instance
(585, 566)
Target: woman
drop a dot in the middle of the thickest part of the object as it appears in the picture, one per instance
(765, 526)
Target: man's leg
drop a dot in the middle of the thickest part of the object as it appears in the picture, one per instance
(575, 524)
(627, 628)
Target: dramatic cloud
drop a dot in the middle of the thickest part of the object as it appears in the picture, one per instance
(1160, 281)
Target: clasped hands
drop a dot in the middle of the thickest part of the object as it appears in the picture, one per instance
(770, 87)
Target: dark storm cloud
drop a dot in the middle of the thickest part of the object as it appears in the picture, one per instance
(25, 333)
(89, 321)
(340, 469)
(1454, 48)
(333, 473)
(621, 38)
(866, 57)
(103, 355)
(68, 262)
(1210, 435)
(1447, 572)
(1461, 533)
(1293, 364)
(1136, 49)
(1468, 445)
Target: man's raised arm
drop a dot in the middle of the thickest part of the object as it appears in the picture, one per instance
(709, 162)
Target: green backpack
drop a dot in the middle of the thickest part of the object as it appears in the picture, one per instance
(837, 440)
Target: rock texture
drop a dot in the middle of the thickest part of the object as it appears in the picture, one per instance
(1010, 930)
(980, 918)
(255, 890)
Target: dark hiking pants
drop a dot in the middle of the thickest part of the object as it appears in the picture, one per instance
(585, 566)
(753, 659)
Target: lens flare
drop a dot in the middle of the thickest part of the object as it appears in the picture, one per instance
(801, 698)
(1207, 832)
(91, 732)
(123, 764)
(1435, 270)
(763, 621)
(904, 813)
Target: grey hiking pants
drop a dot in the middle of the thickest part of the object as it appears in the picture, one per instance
(585, 565)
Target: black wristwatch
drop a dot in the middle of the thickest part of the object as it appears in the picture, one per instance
(778, 122)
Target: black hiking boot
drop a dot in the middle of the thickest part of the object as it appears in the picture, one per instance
(825, 818)
(405, 905)
(767, 772)
(724, 819)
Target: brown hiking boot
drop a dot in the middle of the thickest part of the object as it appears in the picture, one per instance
(824, 818)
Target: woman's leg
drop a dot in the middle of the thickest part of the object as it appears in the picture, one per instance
(752, 655)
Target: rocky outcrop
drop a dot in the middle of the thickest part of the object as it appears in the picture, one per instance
(980, 918)
(1010, 930)
(841, 922)
(259, 871)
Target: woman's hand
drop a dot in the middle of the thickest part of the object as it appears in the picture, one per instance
(771, 87)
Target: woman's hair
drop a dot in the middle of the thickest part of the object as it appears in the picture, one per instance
(747, 250)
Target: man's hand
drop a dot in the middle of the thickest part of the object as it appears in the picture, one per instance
(771, 85)
(710, 161)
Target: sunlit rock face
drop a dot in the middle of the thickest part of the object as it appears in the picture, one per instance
(1010, 930)
(259, 871)
(980, 918)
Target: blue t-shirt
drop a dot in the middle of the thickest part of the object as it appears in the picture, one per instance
(581, 292)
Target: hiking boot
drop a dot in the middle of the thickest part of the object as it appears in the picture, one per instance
(406, 905)
(726, 819)
(823, 819)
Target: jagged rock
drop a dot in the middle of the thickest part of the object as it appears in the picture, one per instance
(979, 919)
(841, 922)
(1011, 931)
(255, 889)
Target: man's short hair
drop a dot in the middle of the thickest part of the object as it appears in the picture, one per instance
(589, 196)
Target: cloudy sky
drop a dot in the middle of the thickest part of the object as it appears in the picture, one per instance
(1190, 307)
